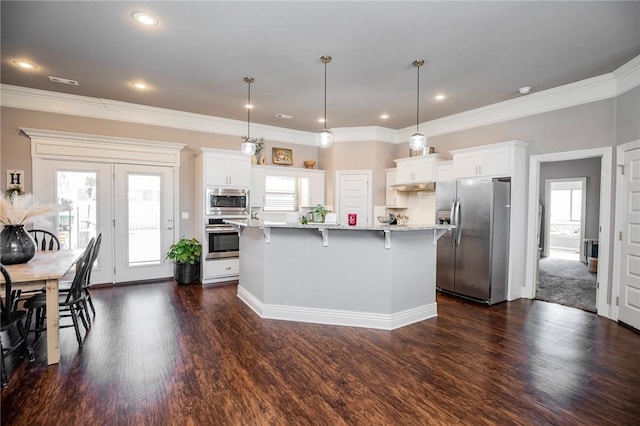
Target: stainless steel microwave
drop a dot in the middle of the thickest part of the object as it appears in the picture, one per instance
(227, 202)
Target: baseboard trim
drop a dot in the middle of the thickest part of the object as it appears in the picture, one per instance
(338, 317)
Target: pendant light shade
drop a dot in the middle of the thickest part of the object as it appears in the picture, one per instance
(418, 141)
(325, 137)
(248, 147)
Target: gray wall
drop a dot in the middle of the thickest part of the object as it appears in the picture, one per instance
(589, 168)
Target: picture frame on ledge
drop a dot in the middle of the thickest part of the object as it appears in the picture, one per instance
(283, 156)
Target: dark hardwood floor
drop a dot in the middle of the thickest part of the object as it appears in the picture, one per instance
(162, 354)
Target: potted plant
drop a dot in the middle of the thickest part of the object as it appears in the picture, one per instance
(319, 212)
(186, 254)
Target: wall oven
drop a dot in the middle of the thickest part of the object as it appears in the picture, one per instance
(222, 240)
(227, 202)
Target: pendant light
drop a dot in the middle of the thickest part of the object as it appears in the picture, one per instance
(248, 147)
(325, 137)
(418, 141)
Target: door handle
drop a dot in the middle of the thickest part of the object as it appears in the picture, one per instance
(169, 228)
(228, 268)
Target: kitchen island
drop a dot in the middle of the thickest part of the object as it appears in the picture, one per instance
(377, 277)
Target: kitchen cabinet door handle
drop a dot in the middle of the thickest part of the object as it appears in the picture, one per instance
(228, 268)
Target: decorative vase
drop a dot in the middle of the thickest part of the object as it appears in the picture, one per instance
(254, 159)
(16, 245)
(262, 160)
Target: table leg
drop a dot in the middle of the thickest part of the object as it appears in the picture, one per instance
(53, 322)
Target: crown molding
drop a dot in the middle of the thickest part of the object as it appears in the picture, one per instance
(580, 92)
(623, 79)
(628, 75)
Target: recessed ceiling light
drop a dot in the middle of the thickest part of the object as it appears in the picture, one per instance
(248, 106)
(284, 116)
(440, 97)
(25, 64)
(384, 116)
(524, 90)
(320, 120)
(144, 18)
(140, 85)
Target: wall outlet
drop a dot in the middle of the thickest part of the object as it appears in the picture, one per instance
(184, 215)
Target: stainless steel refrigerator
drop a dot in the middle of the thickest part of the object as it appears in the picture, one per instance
(472, 259)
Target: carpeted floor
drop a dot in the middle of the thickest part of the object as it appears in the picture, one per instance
(567, 282)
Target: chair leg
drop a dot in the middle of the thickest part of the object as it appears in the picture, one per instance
(80, 313)
(23, 335)
(76, 326)
(93, 309)
(85, 309)
(28, 320)
(40, 318)
(4, 370)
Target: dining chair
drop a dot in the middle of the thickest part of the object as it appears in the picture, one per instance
(66, 286)
(72, 303)
(45, 240)
(12, 318)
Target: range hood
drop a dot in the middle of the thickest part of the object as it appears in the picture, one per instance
(415, 186)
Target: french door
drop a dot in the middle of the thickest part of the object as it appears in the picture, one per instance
(131, 205)
(143, 221)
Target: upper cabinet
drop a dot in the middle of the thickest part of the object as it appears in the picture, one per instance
(496, 160)
(444, 171)
(227, 168)
(418, 169)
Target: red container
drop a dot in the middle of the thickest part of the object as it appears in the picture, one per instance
(352, 219)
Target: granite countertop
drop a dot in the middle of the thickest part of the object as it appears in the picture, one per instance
(269, 224)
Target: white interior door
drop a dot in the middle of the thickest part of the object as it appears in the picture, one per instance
(629, 306)
(354, 195)
(143, 221)
(83, 192)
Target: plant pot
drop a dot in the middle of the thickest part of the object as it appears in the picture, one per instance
(186, 273)
(16, 245)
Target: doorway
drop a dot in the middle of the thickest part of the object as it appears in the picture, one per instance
(565, 218)
(353, 196)
(125, 189)
(602, 226)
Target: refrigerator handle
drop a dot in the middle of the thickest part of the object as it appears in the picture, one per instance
(458, 224)
(453, 222)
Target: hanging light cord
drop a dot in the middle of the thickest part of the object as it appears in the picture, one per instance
(418, 102)
(249, 112)
(325, 94)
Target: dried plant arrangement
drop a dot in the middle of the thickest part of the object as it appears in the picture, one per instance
(18, 209)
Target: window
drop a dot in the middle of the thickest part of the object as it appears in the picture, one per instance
(281, 193)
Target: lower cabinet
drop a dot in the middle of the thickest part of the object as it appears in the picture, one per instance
(220, 269)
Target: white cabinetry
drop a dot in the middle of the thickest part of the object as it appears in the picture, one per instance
(444, 171)
(418, 169)
(497, 160)
(221, 269)
(503, 160)
(394, 198)
(227, 169)
(258, 175)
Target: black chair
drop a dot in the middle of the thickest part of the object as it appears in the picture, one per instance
(72, 303)
(65, 286)
(10, 318)
(45, 240)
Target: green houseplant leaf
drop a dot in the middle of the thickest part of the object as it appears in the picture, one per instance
(186, 250)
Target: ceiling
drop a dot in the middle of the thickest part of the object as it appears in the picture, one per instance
(476, 53)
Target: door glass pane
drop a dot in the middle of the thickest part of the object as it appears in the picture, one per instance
(76, 193)
(143, 195)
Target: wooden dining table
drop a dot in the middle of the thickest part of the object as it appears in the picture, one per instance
(46, 268)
